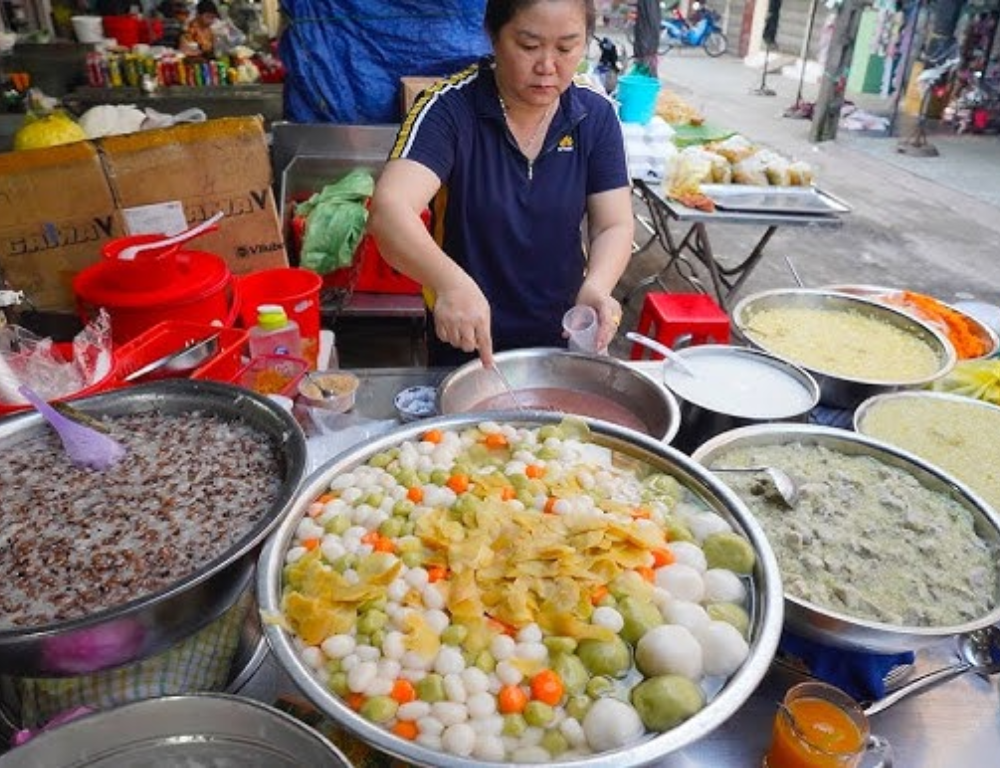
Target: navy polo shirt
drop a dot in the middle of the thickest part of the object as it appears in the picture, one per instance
(514, 226)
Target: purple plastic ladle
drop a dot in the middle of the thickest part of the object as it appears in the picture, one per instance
(85, 446)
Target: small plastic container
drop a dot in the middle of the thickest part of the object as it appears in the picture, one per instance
(273, 374)
(275, 333)
(342, 384)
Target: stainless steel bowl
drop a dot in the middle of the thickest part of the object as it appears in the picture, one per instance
(839, 629)
(198, 729)
(982, 331)
(835, 390)
(466, 387)
(765, 594)
(726, 393)
(155, 622)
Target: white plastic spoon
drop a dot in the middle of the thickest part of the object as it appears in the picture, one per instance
(130, 252)
(664, 350)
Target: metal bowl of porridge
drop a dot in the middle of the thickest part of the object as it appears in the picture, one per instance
(105, 569)
(853, 346)
(304, 662)
(887, 557)
(597, 387)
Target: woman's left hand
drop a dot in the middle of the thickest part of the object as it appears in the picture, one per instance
(609, 316)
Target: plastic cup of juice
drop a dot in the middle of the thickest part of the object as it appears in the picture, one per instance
(819, 726)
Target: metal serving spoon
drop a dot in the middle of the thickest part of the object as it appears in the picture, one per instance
(663, 349)
(787, 488)
(85, 446)
(980, 652)
(508, 387)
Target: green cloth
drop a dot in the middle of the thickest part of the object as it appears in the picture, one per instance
(335, 221)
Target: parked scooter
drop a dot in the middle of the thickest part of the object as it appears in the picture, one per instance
(700, 30)
(976, 108)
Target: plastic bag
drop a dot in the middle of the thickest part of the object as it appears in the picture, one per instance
(979, 379)
(26, 358)
(335, 221)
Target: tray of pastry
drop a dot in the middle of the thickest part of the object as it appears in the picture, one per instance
(751, 199)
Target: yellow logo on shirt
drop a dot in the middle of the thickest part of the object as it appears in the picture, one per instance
(565, 144)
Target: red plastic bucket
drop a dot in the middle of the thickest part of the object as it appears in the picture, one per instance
(203, 292)
(149, 269)
(127, 30)
(296, 290)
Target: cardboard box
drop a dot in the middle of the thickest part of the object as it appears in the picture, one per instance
(219, 165)
(410, 88)
(56, 210)
(59, 205)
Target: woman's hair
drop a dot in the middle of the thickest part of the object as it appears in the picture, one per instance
(207, 6)
(500, 12)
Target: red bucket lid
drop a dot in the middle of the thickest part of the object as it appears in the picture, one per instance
(198, 274)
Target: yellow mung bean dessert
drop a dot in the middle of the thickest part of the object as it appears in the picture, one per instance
(959, 437)
(843, 343)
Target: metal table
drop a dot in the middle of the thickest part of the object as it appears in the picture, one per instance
(666, 216)
(956, 724)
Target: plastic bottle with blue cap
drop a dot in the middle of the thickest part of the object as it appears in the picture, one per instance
(275, 333)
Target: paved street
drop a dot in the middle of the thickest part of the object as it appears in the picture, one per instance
(926, 224)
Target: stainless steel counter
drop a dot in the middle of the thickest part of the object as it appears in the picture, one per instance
(956, 724)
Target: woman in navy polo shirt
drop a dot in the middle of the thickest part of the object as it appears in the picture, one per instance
(513, 155)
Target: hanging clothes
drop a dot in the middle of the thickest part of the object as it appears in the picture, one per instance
(770, 35)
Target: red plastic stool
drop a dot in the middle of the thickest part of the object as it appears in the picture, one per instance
(667, 316)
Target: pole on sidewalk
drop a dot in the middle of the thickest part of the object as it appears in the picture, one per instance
(830, 100)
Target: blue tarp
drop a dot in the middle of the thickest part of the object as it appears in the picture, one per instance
(344, 58)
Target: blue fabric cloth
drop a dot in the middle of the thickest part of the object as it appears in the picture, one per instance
(832, 417)
(344, 58)
(514, 226)
(857, 673)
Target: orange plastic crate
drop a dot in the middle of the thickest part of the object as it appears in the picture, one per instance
(171, 335)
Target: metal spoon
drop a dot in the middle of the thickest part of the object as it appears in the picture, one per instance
(787, 488)
(508, 387)
(326, 393)
(664, 350)
(980, 652)
(86, 447)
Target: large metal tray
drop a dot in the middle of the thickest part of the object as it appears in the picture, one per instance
(747, 198)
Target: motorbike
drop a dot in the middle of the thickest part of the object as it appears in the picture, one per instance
(976, 108)
(700, 30)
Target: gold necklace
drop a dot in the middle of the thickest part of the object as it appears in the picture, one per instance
(530, 142)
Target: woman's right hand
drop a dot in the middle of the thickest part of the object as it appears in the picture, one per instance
(462, 318)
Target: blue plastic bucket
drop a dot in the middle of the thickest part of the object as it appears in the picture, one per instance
(637, 98)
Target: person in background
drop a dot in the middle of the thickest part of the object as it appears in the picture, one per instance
(198, 39)
(515, 156)
(174, 14)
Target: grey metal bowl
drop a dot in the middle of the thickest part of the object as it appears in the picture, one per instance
(835, 390)
(653, 404)
(701, 418)
(839, 629)
(197, 729)
(765, 594)
(157, 621)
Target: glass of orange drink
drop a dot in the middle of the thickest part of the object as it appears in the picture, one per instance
(819, 726)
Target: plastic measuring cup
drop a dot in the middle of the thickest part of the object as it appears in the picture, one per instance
(580, 322)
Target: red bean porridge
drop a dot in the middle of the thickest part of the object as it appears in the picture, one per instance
(74, 541)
